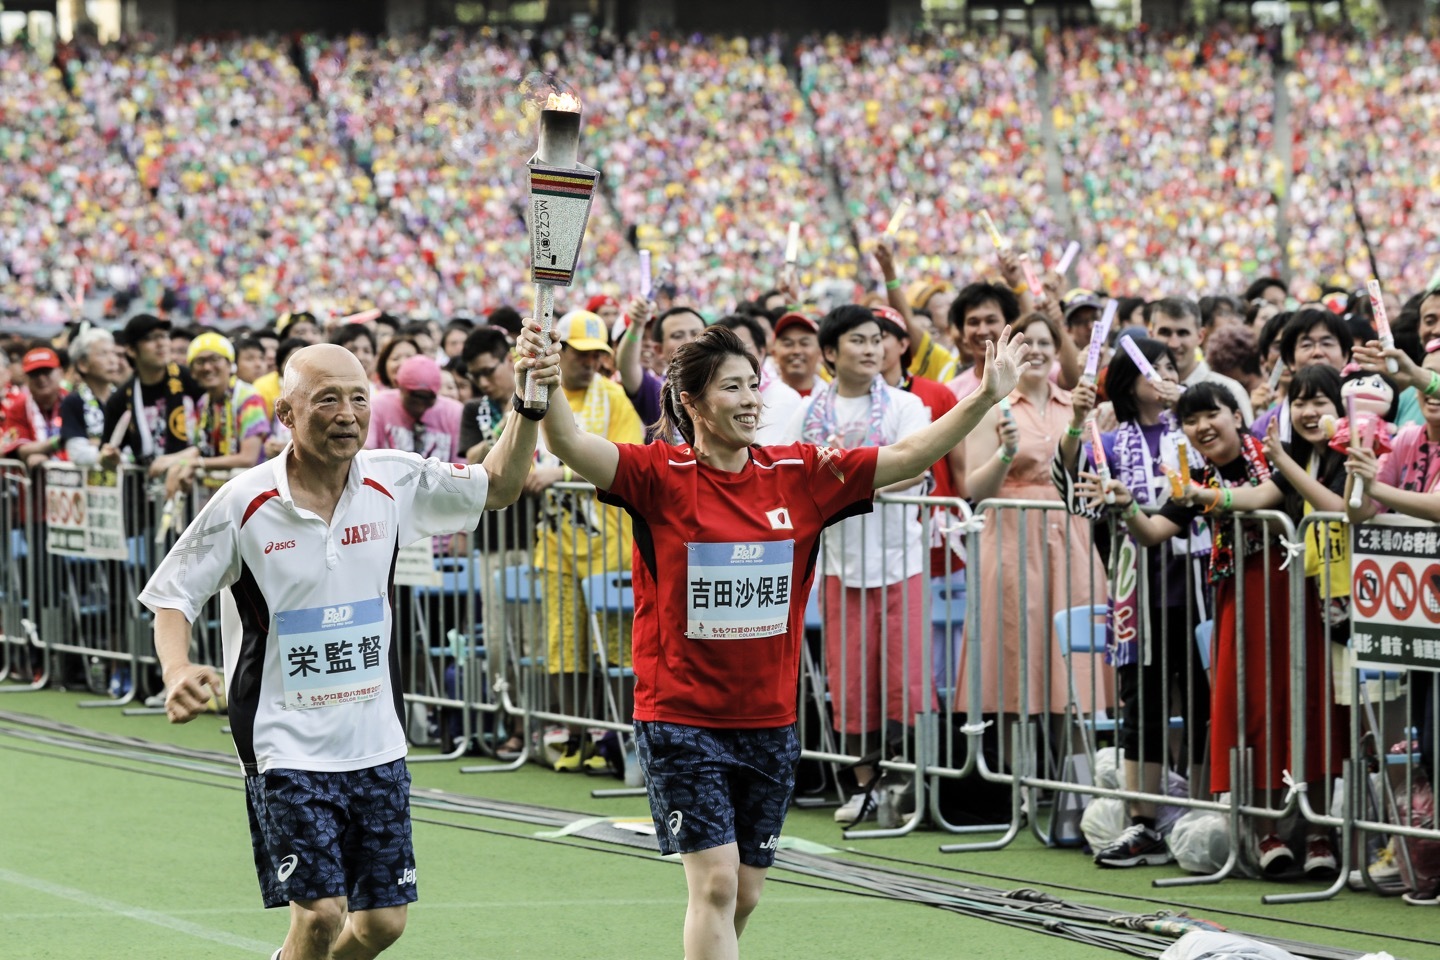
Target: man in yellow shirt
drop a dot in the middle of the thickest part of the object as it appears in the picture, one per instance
(578, 536)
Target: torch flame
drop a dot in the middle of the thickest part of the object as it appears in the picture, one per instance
(564, 102)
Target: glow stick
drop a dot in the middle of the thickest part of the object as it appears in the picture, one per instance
(1177, 486)
(1382, 323)
(1098, 336)
(117, 436)
(1434, 280)
(1068, 257)
(897, 219)
(995, 236)
(1182, 449)
(1357, 489)
(1102, 466)
(792, 243)
(1146, 369)
(364, 316)
(645, 280)
(1276, 374)
(1287, 422)
(1031, 280)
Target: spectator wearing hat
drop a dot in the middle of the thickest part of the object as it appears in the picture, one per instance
(1082, 311)
(414, 417)
(929, 357)
(160, 398)
(795, 353)
(231, 424)
(579, 537)
(32, 417)
(301, 324)
(98, 370)
(604, 306)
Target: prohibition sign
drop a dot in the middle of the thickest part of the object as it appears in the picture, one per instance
(1430, 593)
(1366, 588)
(1401, 591)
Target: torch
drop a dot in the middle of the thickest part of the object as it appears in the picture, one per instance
(561, 189)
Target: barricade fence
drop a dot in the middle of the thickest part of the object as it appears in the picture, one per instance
(972, 669)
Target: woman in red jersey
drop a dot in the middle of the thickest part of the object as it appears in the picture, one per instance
(726, 535)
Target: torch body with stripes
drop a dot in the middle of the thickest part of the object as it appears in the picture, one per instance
(561, 189)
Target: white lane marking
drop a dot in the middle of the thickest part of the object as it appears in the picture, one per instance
(153, 917)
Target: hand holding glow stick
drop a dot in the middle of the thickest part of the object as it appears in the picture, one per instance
(897, 219)
(1067, 258)
(1382, 323)
(995, 236)
(1177, 486)
(792, 243)
(1102, 465)
(646, 283)
(1147, 370)
(1009, 416)
(1098, 336)
(1182, 451)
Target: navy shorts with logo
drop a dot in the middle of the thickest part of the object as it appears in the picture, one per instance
(712, 787)
(320, 835)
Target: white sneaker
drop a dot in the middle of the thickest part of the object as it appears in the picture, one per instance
(1384, 870)
(861, 806)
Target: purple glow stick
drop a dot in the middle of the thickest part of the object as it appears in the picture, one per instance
(1068, 257)
(645, 281)
(1146, 369)
(1098, 336)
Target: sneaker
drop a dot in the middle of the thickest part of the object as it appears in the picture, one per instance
(1274, 856)
(569, 761)
(1319, 858)
(1425, 896)
(861, 806)
(1384, 872)
(276, 954)
(1138, 846)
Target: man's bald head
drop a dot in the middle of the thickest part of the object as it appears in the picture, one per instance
(320, 360)
(325, 403)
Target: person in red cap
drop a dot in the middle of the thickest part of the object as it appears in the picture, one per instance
(796, 351)
(32, 417)
(604, 306)
(414, 417)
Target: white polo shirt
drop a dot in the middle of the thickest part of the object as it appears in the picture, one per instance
(312, 672)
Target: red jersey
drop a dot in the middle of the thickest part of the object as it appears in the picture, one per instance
(717, 637)
(22, 422)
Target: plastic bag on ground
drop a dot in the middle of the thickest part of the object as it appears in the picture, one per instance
(1209, 945)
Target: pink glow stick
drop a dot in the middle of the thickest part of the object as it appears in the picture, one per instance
(1102, 465)
(1382, 322)
(1032, 280)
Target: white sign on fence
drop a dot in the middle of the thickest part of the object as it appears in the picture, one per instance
(1395, 594)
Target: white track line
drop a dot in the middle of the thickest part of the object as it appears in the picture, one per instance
(139, 914)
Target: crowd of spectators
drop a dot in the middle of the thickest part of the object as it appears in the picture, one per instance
(1365, 131)
(951, 124)
(1167, 146)
(233, 179)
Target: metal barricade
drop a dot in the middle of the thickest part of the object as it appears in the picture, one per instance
(24, 663)
(563, 614)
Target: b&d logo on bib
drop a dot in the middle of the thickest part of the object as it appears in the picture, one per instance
(334, 615)
(748, 551)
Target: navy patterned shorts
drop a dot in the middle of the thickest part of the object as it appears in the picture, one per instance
(321, 835)
(712, 787)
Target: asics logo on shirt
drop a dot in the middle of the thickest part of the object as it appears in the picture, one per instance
(287, 867)
(281, 545)
(674, 820)
(365, 532)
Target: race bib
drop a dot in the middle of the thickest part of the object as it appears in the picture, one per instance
(738, 591)
(331, 655)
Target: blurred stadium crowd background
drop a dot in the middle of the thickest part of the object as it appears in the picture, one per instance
(230, 180)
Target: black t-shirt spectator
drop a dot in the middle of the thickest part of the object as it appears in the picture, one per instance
(163, 407)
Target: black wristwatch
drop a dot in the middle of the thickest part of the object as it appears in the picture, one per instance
(518, 405)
